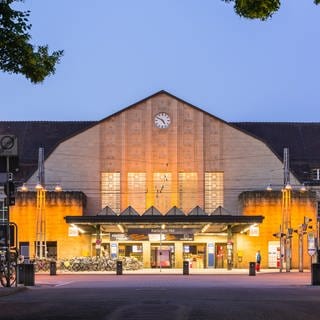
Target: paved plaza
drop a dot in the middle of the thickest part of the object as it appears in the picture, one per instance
(222, 295)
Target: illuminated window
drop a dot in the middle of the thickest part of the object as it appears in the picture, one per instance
(315, 174)
(110, 190)
(213, 185)
(137, 191)
(188, 190)
(162, 190)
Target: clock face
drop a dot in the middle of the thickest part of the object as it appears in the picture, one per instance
(162, 120)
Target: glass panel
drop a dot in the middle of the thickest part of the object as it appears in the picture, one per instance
(162, 189)
(188, 190)
(213, 191)
(137, 191)
(110, 190)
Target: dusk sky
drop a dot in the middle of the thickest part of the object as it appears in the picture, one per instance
(119, 52)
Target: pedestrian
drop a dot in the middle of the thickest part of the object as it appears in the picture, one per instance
(258, 260)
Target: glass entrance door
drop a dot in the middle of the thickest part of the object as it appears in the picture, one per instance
(221, 255)
(162, 256)
(195, 253)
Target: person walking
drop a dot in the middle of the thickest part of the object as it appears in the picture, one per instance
(258, 260)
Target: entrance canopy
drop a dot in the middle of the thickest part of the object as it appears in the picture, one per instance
(152, 221)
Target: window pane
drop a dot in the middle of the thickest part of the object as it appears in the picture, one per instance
(188, 190)
(162, 189)
(137, 191)
(110, 190)
(213, 191)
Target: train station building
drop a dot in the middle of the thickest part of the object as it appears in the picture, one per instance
(165, 181)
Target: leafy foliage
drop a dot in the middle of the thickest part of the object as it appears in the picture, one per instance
(257, 9)
(17, 55)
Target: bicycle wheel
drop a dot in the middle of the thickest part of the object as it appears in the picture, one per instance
(12, 278)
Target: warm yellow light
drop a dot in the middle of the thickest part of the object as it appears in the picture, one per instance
(57, 188)
(38, 186)
(120, 227)
(24, 188)
(288, 186)
(303, 188)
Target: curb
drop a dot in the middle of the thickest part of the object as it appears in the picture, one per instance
(9, 291)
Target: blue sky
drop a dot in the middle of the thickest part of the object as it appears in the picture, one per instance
(119, 52)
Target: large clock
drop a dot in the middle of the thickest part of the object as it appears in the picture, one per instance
(162, 120)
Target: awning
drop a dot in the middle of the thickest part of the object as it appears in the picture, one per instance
(198, 224)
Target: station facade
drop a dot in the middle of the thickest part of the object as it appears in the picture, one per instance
(164, 181)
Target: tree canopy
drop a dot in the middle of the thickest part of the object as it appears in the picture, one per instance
(17, 54)
(257, 9)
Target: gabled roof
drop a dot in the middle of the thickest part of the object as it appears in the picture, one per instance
(197, 211)
(35, 134)
(220, 211)
(129, 212)
(107, 211)
(175, 211)
(152, 211)
(302, 139)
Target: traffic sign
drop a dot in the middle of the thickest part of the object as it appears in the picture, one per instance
(311, 244)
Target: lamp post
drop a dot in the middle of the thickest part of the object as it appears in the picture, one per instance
(162, 227)
(286, 224)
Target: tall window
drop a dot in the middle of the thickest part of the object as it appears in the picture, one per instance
(110, 190)
(188, 190)
(315, 173)
(137, 191)
(213, 196)
(162, 190)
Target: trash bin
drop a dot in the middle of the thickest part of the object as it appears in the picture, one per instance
(20, 274)
(53, 268)
(119, 267)
(315, 274)
(185, 267)
(28, 274)
(252, 268)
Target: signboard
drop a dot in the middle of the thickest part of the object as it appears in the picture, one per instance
(144, 236)
(210, 255)
(254, 231)
(73, 231)
(113, 250)
(165, 231)
(98, 244)
(8, 145)
(119, 237)
(274, 254)
(311, 244)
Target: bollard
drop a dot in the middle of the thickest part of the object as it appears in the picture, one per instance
(185, 267)
(119, 268)
(252, 268)
(53, 268)
(315, 274)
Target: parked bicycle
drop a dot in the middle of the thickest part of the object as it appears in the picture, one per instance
(78, 264)
(5, 274)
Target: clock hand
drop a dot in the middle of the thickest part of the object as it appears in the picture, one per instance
(159, 118)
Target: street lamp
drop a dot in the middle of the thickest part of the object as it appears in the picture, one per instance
(162, 227)
(285, 233)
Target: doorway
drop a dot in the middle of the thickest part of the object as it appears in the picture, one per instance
(221, 255)
(162, 256)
